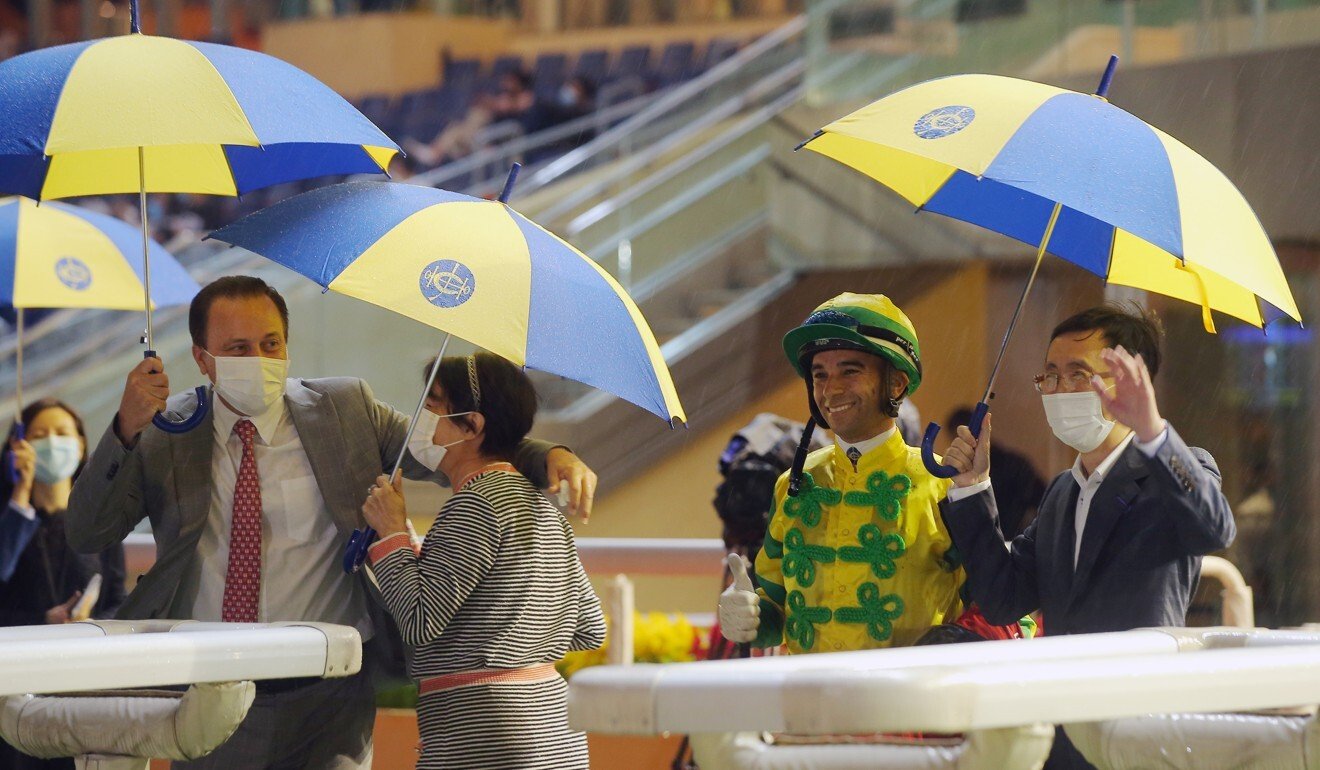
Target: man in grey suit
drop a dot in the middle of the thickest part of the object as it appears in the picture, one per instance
(251, 511)
(1118, 540)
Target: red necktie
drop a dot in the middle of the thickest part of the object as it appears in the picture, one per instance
(243, 578)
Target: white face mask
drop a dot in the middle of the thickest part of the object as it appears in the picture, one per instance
(250, 384)
(1077, 419)
(421, 444)
(57, 457)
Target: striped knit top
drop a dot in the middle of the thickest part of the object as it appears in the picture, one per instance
(497, 584)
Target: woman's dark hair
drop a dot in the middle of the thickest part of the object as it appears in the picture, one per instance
(29, 414)
(508, 399)
(1138, 331)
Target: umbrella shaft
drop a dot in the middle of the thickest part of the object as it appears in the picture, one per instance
(146, 228)
(1017, 311)
(421, 402)
(18, 368)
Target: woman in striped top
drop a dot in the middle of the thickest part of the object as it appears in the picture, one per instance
(497, 593)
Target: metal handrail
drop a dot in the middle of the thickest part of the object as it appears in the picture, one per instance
(688, 197)
(443, 175)
(668, 173)
(667, 104)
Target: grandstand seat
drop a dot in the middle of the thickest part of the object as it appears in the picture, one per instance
(675, 62)
(548, 74)
(461, 72)
(717, 50)
(631, 63)
(592, 65)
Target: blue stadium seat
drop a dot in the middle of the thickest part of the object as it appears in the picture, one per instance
(592, 65)
(631, 62)
(675, 64)
(548, 74)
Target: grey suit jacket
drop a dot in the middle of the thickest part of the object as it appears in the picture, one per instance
(349, 437)
(1149, 523)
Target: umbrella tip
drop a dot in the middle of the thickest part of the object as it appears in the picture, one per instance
(135, 18)
(1108, 77)
(806, 141)
(508, 183)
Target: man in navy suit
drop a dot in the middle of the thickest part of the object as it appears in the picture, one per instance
(1119, 538)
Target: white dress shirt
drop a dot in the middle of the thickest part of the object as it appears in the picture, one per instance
(865, 446)
(1088, 484)
(301, 549)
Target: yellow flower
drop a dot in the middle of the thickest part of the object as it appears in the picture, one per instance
(657, 638)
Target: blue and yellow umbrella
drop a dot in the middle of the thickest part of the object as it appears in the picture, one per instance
(472, 268)
(143, 114)
(1076, 177)
(61, 256)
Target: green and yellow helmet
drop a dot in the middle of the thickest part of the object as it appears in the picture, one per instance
(870, 323)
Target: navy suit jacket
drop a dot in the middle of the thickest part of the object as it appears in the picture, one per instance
(1149, 523)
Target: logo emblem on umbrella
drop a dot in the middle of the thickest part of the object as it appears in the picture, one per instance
(74, 273)
(945, 121)
(447, 283)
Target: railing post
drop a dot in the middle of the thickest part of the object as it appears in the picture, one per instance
(619, 609)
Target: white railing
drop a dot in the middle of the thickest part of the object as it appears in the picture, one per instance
(106, 655)
(1012, 689)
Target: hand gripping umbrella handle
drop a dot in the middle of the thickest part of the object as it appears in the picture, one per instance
(355, 553)
(11, 470)
(193, 420)
(933, 430)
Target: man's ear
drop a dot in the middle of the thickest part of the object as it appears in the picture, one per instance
(203, 362)
(898, 384)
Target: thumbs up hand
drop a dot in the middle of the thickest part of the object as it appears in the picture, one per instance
(740, 608)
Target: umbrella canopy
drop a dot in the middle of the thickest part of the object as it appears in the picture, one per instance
(209, 118)
(1136, 206)
(61, 256)
(474, 268)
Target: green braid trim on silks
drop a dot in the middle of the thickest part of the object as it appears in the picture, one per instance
(772, 548)
(884, 493)
(803, 619)
(807, 505)
(876, 611)
(800, 557)
(770, 633)
(879, 550)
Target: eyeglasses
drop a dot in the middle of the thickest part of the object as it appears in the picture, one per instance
(1080, 380)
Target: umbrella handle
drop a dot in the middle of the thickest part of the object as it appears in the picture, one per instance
(933, 430)
(20, 433)
(193, 420)
(355, 553)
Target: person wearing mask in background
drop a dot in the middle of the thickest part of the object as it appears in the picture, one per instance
(47, 580)
(1016, 485)
(251, 512)
(1119, 537)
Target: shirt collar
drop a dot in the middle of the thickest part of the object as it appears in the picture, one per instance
(867, 445)
(266, 423)
(1105, 465)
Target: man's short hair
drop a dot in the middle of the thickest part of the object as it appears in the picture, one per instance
(230, 287)
(1139, 331)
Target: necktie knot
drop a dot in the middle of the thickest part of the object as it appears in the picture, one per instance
(246, 431)
(854, 454)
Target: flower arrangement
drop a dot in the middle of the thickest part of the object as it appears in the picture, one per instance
(657, 638)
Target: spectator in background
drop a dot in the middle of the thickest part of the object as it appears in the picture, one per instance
(510, 101)
(45, 580)
(1016, 486)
